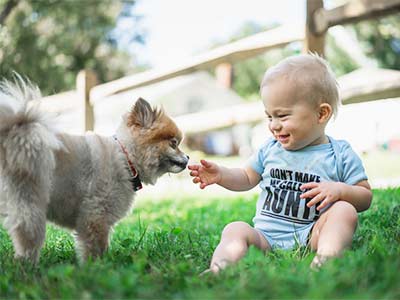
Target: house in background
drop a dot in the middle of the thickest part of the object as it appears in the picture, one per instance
(367, 125)
(181, 95)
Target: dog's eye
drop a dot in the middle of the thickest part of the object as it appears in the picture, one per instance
(173, 143)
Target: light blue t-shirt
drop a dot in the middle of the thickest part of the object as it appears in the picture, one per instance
(280, 210)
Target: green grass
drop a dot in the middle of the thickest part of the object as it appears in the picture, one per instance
(158, 252)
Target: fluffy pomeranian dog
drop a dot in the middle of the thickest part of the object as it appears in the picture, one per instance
(84, 183)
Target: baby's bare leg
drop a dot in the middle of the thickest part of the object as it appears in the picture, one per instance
(235, 241)
(333, 232)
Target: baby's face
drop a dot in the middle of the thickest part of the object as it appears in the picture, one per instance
(294, 123)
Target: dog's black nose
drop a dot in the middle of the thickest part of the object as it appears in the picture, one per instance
(187, 156)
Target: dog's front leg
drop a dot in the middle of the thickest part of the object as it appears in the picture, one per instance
(92, 237)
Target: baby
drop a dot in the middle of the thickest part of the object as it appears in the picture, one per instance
(312, 186)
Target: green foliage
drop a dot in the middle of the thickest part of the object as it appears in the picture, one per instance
(248, 74)
(381, 40)
(158, 252)
(51, 41)
(338, 59)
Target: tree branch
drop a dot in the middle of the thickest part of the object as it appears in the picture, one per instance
(7, 10)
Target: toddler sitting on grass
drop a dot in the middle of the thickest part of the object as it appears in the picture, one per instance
(312, 186)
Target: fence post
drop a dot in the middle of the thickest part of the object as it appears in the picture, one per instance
(85, 81)
(224, 75)
(313, 41)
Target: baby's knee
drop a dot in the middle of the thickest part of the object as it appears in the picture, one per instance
(346, 211)
(235, 229)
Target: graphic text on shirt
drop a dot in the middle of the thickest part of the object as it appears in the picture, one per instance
(283, 197)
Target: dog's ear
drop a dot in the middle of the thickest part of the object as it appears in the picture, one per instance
(142, 114)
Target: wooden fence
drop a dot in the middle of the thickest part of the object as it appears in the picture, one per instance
(318, 22)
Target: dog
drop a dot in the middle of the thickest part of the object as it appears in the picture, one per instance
(84, 183)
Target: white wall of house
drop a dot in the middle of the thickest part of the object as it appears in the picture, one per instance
(181, 95)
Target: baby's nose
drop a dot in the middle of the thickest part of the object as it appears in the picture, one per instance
(275, 125)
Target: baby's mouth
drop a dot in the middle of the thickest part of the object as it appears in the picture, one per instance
(283, 138)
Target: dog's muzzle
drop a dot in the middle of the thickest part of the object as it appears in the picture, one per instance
(181, 163)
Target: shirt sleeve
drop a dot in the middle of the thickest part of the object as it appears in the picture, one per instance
(353, 170)
(256, 161)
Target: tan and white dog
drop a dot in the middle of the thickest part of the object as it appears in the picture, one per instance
(84, 183)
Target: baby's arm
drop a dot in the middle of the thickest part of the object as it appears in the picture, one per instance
(359, 195)
(234, 179)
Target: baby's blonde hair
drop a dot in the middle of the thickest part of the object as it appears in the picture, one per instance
(314, 79)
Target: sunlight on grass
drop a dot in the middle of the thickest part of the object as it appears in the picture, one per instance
(159, 250)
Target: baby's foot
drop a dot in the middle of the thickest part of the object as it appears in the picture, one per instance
(215, 268)
(318, 261)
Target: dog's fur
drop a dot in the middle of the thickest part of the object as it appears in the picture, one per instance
(79, 182)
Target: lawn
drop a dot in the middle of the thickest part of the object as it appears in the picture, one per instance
(158, 251)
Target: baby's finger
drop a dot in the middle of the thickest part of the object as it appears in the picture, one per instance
(309, 185)
(315, 200)
(310, 194)
(194, 173)
(322, 205)
(196, 180)
(193, 167)
(205, 163)
(203, 185)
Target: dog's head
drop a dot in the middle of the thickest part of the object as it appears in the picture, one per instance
(153, 142)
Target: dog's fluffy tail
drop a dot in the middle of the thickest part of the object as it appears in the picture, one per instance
(27, 139)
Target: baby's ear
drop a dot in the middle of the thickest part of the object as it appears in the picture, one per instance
(325, 112)
(142, 114)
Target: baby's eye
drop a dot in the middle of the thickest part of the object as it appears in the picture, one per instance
(269, 118)
(283, 116)
(173, 143)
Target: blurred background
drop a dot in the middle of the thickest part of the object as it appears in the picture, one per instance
(203, 62)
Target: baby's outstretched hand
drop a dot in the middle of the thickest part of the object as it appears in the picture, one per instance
(323, 192)
(206, 173)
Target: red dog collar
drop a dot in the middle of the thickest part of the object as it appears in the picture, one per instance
(135, 180)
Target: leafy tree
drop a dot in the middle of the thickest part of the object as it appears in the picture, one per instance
(248, 73)
(382, 45)
(50, 41)
(381, 40)
(338, 59)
